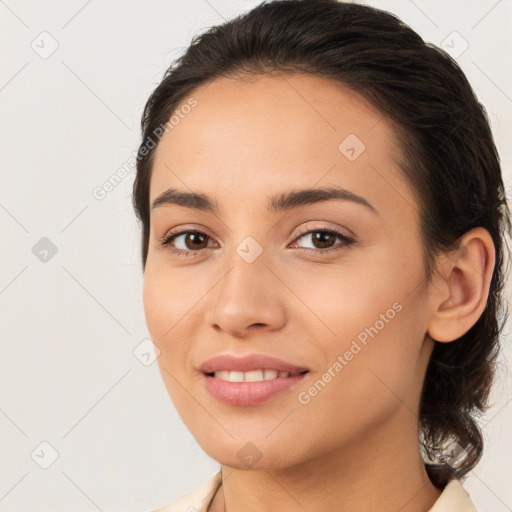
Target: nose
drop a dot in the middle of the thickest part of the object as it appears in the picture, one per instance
(249, 297)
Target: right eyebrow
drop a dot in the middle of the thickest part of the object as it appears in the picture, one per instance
(194, 200)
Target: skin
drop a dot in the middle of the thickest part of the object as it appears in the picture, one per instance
(354, 446)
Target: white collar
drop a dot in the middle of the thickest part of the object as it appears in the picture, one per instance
(454, 498)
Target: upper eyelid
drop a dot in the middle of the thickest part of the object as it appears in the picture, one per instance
(308, 229)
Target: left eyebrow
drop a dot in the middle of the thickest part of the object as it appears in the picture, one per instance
(280, 202)
(296, 198)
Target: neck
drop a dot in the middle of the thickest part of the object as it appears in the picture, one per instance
(382, 472)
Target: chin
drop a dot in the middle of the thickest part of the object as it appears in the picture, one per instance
(260, 453)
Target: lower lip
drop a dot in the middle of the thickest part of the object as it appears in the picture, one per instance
(250, 393)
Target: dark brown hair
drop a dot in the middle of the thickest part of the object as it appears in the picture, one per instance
(447, 155)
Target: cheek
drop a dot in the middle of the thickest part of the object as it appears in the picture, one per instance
(167, 311)
(166, 299)
(372, 331)
(166, 322)
(368, 382)
(347, 299)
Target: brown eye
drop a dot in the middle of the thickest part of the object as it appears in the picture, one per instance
(195, 240)
(324, 239)
(186, 242)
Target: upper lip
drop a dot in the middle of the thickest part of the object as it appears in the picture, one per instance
(247, 363)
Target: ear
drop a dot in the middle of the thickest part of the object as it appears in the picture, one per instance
(460, 286)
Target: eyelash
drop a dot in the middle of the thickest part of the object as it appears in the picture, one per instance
(347, 241)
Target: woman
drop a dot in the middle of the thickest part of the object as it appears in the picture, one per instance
(323, 215)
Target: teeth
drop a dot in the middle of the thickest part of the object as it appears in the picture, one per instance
(252, 376)
(236, 377)
(270, 374)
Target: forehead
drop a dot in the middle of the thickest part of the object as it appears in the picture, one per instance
(293, 109)
(273, 132)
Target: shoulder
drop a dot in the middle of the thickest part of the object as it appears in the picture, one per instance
(196, 500)
(454, 498)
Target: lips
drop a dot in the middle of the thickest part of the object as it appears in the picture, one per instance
(250, 379)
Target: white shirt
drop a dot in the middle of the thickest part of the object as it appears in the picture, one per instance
(454, 498)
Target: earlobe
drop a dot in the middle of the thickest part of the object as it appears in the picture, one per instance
(460, 288)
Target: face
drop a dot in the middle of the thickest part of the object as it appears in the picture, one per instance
(331, 285)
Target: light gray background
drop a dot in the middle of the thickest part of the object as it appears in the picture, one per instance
(70, 324)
